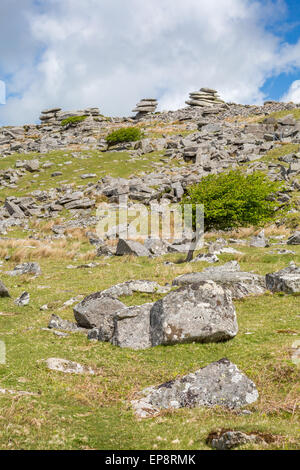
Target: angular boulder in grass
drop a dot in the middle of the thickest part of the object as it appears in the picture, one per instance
(294, 239)
(3, 290)
(131, 247)
(23, 300)
(200, 312)
(67, 367)
(286, 280)
(58, 323)
(98, 311)
(220, 383)
(25, 268)
(229, 275)
(259, 241)
(132, 327)
(226, 440)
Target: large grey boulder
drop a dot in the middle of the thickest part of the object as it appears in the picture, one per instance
(220, 383)
(199, 312)
(229, 276)
(131, 247)
(3, 290)
(98, 311)
(286, 280)
(294, 239)
(132, 327)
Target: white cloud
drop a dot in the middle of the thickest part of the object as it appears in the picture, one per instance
(111, 53)
(293, 94)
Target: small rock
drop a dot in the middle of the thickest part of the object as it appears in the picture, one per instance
(23, 299)
(3, 290)
(68, 367)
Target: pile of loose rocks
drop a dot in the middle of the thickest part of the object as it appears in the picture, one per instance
(206, 97)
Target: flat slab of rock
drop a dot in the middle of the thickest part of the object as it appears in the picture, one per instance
(132, 327)
(198, 312)
(3, 290)
(220, 383)
(98, 311)
(58, 323)
(131, 247)
(286, 280)
(241, 284)
(129, 287)
(68, 367)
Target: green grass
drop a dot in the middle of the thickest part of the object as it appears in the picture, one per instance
(93, 412)
(280, 114)
(116, 164)
(280, 151)
(73, 120)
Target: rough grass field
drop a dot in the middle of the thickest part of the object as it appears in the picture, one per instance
(93, 412)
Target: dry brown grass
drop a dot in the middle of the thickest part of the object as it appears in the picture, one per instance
(29, 250)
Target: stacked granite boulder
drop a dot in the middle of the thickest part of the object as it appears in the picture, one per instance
(56, 115)
(206, 97)
(145, 106)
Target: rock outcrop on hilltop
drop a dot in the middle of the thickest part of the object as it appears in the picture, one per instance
(206, 97)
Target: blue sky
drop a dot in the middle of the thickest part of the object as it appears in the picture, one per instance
(111, 53)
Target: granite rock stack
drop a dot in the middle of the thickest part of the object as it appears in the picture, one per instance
(145, 106)
(206, 97)
(57, 115)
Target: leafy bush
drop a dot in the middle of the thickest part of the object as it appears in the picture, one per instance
(129, 134)
(73, 120)
(234, 199)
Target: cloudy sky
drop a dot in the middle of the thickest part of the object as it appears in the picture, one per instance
(111, 53)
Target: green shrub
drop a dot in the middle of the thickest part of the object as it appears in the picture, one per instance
(129, 134)
(234, 199)
(73, 120)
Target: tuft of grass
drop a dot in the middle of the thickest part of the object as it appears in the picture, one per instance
(73, 120)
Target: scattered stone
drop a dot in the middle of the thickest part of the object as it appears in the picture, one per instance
(208, 258)
(3, 290)
(226, 440)
(25, 268)
(220, 383)
(286, 280)
(58, 323)
(23, 299)
(68, 367)
(294, 239)
(201, 312)
(32, 165)
(130, 247)
(259, 241)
